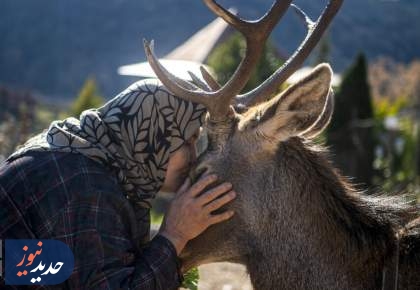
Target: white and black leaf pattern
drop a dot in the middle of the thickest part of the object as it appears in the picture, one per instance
(147, 105)
(161, 122)
(134, 133)
(127, 99)
(141, 136)
(115, 127)
(172, 101)
(134, 108)
(145, 124)
(140, 147)
(187, 116)
(112, 115)
(167, 112)
(131, 133)
(180, 113)
(88, 127)
(111, 120)
(129, 103)
(162, 157)
(101, 135)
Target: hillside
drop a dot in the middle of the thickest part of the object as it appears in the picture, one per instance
(51, 47)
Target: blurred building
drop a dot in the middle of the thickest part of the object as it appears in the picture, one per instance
(191, 54)
(195, 51)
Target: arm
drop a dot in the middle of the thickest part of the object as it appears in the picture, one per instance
(158, 266)
(101, 241)
(99, 230)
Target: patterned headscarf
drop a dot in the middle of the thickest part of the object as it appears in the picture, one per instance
(134, 134)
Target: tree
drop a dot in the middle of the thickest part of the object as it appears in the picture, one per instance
(17, 119)
(351, 132)
(226, 57)
(88, 98)
(392, 80)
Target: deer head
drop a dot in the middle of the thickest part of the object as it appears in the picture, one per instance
(245, 132)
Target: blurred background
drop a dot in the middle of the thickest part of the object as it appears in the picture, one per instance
(58, 58)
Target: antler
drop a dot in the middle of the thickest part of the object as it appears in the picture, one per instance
(315, 31)
(255, 33)
(213, 84)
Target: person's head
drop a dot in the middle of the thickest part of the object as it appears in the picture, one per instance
(179, 164)
(149, 131)
(140, 134)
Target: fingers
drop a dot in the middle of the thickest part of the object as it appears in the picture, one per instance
(190, 212)
(201, 184)
(214, 219)
(218, 203)
(214, 193)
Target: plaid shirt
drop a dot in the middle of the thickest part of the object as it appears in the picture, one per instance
(68, 197)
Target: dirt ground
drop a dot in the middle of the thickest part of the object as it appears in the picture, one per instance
(223, 276)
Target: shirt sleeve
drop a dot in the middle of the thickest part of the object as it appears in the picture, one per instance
(159, 267)
(98, 232)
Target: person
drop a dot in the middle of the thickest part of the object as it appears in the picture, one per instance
(88, 182)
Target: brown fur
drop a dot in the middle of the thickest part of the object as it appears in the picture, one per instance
(299, 224)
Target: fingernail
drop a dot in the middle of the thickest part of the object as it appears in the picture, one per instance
(232, 194)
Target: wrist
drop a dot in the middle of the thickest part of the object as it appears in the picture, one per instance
(177, 240)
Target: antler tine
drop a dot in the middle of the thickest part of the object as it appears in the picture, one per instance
(255, 32)
(187, 85)
(197, 81)
(315, 31)
(226, 15)
(212, 82)
(171, 81)
(309, 23)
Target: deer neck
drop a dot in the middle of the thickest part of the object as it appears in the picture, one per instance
(324, 237)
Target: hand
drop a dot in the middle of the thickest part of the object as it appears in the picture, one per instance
(189, 214)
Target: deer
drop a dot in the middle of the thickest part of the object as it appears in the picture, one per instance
(298, 223)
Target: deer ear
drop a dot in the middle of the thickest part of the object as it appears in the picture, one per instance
(323, 120)
(303, 109)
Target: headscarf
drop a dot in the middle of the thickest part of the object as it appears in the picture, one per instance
(134, 134)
